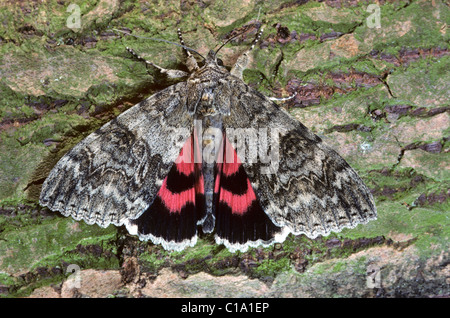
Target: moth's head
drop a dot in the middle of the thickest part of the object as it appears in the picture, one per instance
(211, 59)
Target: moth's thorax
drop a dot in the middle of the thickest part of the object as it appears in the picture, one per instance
(206, 105)
(209, 72)
(208, 91)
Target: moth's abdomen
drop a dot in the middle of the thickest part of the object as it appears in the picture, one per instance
(210, 134)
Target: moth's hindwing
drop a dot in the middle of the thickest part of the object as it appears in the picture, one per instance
(171, 220)
(240, 219)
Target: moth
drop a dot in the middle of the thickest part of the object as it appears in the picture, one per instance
(208, 154)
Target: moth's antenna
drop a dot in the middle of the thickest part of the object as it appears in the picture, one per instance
(259, 12)
(227, 41)
(161, 40)
(258, 36)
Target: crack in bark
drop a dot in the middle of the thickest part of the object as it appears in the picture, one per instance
(277, 65)
(383, 79)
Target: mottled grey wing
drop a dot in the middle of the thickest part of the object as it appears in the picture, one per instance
(305, 187)
(115, 173)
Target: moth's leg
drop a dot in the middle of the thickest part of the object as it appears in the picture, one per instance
(283, 99)
(171, 74)
(242, 62)
(191, 62)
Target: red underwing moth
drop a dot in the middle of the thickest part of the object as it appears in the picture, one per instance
(208, 154)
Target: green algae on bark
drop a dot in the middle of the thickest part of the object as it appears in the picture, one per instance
(377, 95)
